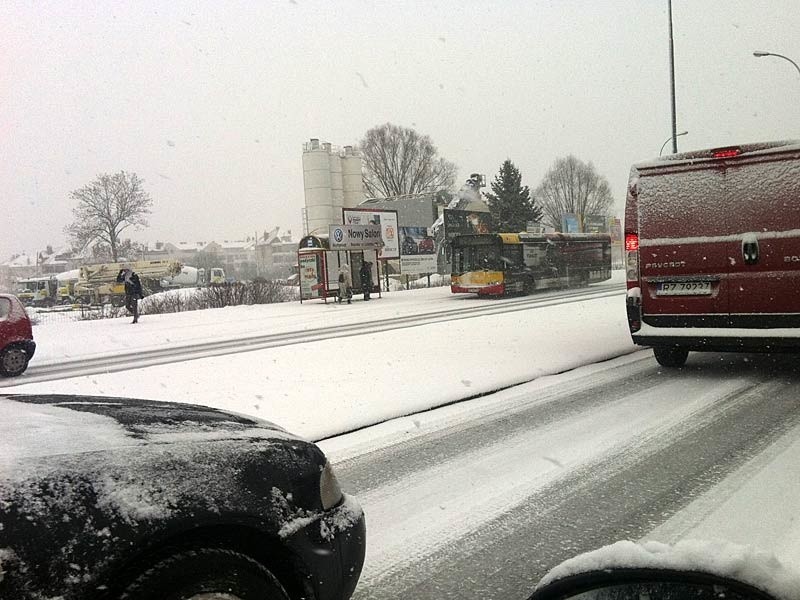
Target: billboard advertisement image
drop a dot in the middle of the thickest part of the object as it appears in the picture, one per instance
(417, 251)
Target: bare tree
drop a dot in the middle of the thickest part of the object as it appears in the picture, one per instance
(105, 208)
(399, 161)
(572, 186)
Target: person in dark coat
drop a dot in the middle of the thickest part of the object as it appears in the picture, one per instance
(133, 291)
(365, 273)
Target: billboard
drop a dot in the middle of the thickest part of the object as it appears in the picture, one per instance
(417, 251)
(463, 222)
(570, 223)
(386, 219)
(595, 224)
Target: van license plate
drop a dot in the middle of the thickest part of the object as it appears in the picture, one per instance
(683, 288)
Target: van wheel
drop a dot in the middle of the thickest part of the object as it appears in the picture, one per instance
(671, 357)
(13, 361)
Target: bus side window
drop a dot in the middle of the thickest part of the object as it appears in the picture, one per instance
(512, 256)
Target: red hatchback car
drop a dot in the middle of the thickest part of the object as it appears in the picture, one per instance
(16, 337)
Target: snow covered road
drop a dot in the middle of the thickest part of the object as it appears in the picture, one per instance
(480, 501)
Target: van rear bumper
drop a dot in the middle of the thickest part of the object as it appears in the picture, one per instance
(722, 339)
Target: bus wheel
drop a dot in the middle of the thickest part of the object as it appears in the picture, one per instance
(670, 357)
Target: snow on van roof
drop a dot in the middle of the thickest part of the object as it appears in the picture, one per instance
(707, 154)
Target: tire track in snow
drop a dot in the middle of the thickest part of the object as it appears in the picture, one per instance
(520, 411)
(489, 523)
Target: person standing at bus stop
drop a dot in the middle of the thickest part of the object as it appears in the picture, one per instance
(345, 284)
(365, 273)
(133, 291)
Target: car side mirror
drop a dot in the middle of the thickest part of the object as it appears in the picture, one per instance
(648, 584)
(690, 569)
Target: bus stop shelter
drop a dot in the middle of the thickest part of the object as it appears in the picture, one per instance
(319, 259)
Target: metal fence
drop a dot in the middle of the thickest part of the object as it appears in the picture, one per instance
(47, 316)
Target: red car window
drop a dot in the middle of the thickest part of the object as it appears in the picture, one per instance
(5, 307)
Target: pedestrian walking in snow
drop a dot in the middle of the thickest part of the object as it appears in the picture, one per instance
(345, 284)
(365, 273)
(133, 291)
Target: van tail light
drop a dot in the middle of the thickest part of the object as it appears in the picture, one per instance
(633, 299)
(632, 259)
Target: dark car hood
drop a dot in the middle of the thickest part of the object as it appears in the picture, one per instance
(48, 425)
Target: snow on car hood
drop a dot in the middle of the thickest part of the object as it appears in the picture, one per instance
(39, 426)
(743, 563)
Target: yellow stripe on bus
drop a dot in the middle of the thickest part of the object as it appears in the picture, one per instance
(478, 278)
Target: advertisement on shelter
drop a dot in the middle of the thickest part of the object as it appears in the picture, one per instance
(309, 275)
(386, 219)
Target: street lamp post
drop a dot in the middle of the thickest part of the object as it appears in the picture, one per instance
(672, 137)
(672, 81)
(761, 53)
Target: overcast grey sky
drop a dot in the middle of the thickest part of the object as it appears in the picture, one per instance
(210, 102)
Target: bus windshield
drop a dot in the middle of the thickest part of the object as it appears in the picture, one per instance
(477, 258)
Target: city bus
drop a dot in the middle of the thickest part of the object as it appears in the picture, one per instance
(499, 264)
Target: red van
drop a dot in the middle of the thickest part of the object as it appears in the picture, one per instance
(712, 243)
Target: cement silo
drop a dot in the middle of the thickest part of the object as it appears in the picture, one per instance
(337, 189)
(317, 186)
(351, 178)
(332, 180)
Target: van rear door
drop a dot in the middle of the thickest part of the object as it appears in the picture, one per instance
(683, 251)
(763, 193)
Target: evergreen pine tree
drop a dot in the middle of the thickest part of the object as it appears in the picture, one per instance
(510, 202)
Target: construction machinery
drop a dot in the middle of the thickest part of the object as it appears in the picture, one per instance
(97, 284)
(37, 291)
